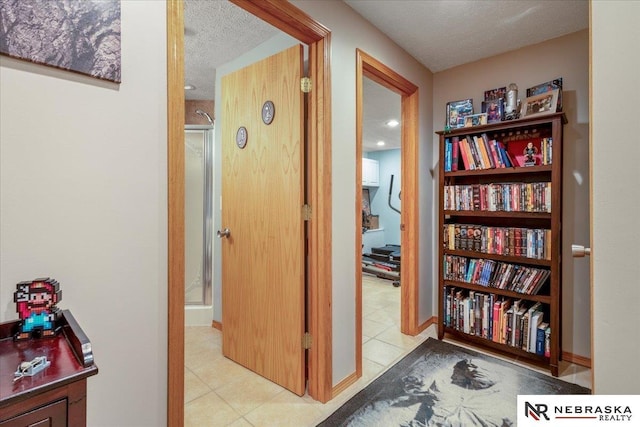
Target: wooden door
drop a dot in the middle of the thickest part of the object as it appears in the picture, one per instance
(262, 198)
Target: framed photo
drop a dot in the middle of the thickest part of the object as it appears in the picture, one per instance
(366, 202)
(475, 120)
(78, 36)
(494, 108)
(547, 87)
(545, 103)
(457, 111)
(496, 93)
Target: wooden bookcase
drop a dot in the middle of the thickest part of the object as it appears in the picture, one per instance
(494, 219)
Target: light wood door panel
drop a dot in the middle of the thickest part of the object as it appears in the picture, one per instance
(262, 198)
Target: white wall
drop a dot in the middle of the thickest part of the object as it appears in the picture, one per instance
(615, 207)
(84, 200)
(566, 57)
(390, 164)
(348, 32)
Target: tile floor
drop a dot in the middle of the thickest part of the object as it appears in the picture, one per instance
(219, 392)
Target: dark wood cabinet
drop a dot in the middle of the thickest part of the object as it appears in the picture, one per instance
(56, 396)
(481, 213)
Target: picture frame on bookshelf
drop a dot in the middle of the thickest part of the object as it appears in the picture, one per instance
(366, 202)
(494, 108)
(547, 87)
(475, 120)
(457, 111)
(496, 93)
(539, 105)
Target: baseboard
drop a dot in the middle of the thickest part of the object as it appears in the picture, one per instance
(217, 325)
(576, 359)
(431, 321)
(344, 384)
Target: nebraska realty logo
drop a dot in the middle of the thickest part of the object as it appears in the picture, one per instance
(578, 410)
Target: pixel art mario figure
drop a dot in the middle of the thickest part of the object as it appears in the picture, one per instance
(36, 305)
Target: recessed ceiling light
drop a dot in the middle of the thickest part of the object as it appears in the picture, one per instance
(392, 123)
(380, 143)
(189, 87)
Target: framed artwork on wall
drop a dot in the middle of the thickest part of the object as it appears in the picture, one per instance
(78, 36)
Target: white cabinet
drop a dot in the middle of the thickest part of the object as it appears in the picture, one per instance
(370, 172)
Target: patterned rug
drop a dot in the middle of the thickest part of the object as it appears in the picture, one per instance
(441, 384)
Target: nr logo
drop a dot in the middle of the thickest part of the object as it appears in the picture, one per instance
(536, 411)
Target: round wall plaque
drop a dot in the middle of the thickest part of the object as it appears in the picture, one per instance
(241, 137)
(268, 111)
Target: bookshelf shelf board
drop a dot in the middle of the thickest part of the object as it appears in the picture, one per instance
(546, 299)
(505, 258)
(502, 348)
(497, 214)
(506, 126)
(542, 169)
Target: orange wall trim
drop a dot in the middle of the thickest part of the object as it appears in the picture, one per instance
(433, 320)
(578, 360)
(342, 385)
(217, 325)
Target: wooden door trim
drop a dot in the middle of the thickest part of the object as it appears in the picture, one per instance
(367, 66)
(175, 183)
(296, 23)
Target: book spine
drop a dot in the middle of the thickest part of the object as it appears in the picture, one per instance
(455, 153)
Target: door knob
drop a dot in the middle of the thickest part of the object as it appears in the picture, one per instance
(579, 251)
(224, 233)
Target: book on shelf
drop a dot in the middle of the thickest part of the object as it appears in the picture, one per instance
(535, 319)
(455, 153)
(447, 155)
(540, 338)
(485, 161)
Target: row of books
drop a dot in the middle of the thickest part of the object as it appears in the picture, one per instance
(495, 274)
(507, 197)
(546, 145)
(477, 152)
(509, 241)
(516, 323)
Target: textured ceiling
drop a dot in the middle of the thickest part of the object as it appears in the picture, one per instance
(216, 32)
(440, 34)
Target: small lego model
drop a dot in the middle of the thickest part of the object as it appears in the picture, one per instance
(29, 369)
(36, 305)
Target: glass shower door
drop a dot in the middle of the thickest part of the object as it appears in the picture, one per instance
(198, 214)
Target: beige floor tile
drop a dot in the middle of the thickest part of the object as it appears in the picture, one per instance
(394, 337)
(381, 352)
(240, 422)
(193, 386)
(223, 372)
(245, 396)
(371, 328)
(209, 411)
(384, 317)
(285, 409)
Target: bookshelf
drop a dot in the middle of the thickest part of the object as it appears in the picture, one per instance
(500, 242)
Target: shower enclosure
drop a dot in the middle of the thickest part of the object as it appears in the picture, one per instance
(198, 218)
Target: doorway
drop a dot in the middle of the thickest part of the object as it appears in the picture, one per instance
(294, 22)
(382, 341)
(370, 68)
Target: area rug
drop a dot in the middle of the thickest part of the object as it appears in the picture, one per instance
(441, 384)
